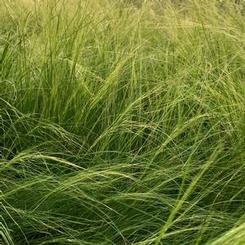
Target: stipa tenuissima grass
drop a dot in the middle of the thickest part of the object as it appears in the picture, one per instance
(122, 122)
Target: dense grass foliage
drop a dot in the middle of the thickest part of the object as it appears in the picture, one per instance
(122, 122)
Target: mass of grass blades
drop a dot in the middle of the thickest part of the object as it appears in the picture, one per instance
(122, 122)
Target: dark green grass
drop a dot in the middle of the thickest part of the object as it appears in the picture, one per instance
(122, 122)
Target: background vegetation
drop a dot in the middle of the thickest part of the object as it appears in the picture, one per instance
(122, 122)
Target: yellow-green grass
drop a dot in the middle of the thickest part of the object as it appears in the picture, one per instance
(122, 122)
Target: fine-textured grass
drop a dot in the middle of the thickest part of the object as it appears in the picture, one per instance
(122, 122)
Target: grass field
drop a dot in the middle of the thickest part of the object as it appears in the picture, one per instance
(122, 122)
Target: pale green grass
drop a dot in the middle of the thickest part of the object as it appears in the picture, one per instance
(122, 122)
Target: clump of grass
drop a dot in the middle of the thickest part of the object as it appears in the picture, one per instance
(122, 122)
